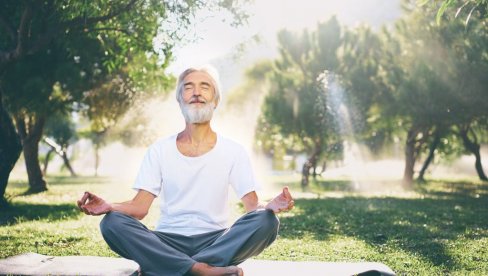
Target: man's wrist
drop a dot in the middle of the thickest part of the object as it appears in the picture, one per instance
(111, 207)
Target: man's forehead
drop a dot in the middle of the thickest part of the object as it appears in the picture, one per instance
(198, 77)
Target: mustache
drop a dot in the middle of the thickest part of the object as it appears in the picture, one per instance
(197, 100)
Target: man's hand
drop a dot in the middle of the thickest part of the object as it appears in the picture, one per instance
(282, 202)
(91, 204)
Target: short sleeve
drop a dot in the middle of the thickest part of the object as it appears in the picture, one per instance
(242, 177)
(149, 177)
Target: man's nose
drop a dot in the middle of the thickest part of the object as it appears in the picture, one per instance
(197, 91)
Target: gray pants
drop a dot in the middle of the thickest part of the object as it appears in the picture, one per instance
(160, 253)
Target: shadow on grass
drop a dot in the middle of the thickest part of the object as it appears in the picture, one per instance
(70, 180)
(63, 181)
(422, 226)
(452, 189)
(332, 185)
(21, 212)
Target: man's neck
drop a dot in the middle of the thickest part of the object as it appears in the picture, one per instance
(197, 133)
(196, 139)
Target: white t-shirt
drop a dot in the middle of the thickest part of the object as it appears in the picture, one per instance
(194, 190)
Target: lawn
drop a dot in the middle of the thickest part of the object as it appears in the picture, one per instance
(439, 228)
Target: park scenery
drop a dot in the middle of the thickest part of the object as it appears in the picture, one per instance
(374, 113)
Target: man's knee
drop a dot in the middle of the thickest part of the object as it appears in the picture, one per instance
(111, 221)
(267, 221)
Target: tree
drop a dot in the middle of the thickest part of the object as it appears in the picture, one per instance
(60, 133)
(361, 69)
(421, 85)
(464, 66)
(34, 92)
(296, 105)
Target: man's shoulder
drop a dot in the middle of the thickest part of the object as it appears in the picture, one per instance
(230, 145)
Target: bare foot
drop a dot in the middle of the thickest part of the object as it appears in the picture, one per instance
(204, 269)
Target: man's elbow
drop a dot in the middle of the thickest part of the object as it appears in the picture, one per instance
(140, 214)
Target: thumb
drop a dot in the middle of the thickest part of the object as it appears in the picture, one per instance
(286, 192)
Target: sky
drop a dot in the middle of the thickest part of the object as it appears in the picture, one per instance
(218, 43)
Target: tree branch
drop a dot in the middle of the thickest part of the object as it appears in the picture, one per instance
(112, 29)
(23, 29)
(20, 124)
(8, 56)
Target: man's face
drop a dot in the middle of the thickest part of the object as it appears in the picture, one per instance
(198, 97)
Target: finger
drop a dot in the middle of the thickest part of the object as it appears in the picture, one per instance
(286, 193)
(84, 198)
(85, 210)
(289, 206)
(79, 204)
(91, 196)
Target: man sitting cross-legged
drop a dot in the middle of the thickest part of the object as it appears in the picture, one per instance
(192, 172)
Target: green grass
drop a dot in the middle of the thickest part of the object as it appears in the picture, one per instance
(439, 228)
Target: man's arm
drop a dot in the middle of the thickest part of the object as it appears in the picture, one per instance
(138, 207)
(282, 202)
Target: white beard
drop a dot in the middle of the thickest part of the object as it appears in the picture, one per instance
(197, 114)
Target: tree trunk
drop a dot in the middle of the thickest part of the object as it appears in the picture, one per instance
(10, 149)
(61, 151)
(314, 170)
(67, 163)
(31, 156)
(46, 161)
(306, 174)
(324, 167)
(474, 148)
(409, 158)
(311, 162)
(30, 135)
(430, 157)
(97, 159)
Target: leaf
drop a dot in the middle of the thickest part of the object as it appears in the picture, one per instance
(469, 15)
(460, 9)
(442, 10)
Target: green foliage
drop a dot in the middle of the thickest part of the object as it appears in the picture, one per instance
(62, 129)
(459, 8)
(419, 78)
(296, 113)
(93, 46)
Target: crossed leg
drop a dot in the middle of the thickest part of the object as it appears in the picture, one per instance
(215, 253)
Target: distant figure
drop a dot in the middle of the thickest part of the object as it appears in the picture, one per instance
(192, 171)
